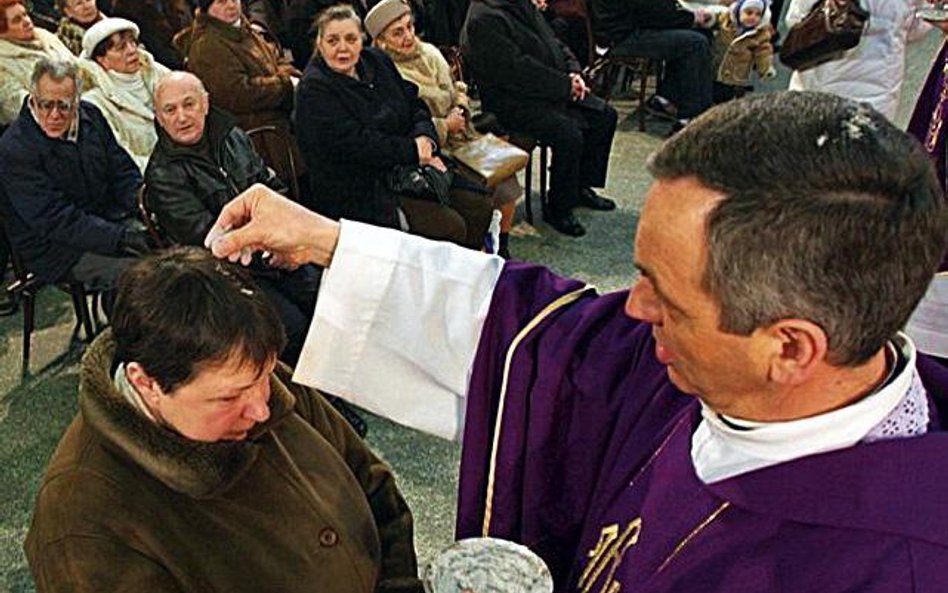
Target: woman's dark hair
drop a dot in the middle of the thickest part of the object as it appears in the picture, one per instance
(4, 5)
(182, 310)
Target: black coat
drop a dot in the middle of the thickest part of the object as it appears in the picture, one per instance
(519, 64)
(353, 132)
(616, 19)
(63, 198)
(187, 189)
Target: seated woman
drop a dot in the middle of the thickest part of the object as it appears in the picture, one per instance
(159, 20)
(120, 80)
(78, 16)
(391, 25)
(196, 464)
(21, 46)
(362, 119)
(247, 77)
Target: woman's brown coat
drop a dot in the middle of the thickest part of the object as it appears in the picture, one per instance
(301, 505)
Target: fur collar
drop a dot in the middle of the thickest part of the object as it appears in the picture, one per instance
(197, 469)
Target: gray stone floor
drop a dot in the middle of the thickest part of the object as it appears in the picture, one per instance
(34, 412)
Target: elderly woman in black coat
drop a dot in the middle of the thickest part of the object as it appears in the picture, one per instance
(357, 120)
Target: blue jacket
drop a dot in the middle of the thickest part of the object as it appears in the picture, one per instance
(62, 199)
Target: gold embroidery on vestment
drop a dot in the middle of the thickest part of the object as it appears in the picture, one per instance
(694, 532)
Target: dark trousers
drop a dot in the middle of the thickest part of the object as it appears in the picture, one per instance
(580, 138)
(293, 295)
(100, 273)
(464, 222)
(687, 55)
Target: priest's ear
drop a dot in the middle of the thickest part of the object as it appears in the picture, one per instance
(799, 350)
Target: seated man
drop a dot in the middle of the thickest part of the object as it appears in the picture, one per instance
(21, 46)
(122, 77)
(663, 30)
(201, 162)
(195, 465)
(748, 417)
(532, 83)
(69, 188)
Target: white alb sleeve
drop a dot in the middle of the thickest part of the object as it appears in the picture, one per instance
(396, 326)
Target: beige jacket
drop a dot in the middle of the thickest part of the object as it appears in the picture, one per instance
(16, 66)
(430, 71)
(131, 120)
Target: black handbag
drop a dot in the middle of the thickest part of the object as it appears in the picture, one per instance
(422, 182)
(831, 28)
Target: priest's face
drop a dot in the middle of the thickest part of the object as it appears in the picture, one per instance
(727, 371)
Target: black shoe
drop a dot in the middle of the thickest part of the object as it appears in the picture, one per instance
(660, 106)
(566, 224)
(590, 199)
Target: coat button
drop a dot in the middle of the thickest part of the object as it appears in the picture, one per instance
(328, 537)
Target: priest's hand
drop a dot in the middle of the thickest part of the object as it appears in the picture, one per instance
(259, 219)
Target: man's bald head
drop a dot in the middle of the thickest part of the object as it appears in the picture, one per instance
(181, 106)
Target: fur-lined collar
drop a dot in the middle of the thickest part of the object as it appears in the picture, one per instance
(197, 469)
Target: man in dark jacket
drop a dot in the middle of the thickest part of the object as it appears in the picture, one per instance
(203, 160)
(663, 30)
(531, 82)
(68, 187)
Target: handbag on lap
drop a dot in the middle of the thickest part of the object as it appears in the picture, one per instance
(830, 29)
(422, 182)
(490, 158)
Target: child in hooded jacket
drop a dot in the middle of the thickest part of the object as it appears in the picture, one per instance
(743, 44)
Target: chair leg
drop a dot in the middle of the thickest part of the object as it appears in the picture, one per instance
(543, 178)
(29, 312)
(528, 187)
(643, 93)
(81, 306)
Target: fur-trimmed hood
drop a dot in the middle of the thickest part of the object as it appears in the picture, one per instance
(196, 469)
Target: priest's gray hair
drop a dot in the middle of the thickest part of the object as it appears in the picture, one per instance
(58, 70)
(831, 214)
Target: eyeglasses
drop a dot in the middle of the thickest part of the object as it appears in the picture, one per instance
(124, 44)
(400, 33)
(47, 105)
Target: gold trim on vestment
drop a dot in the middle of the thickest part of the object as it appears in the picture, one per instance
(559, 303)
(694, 532)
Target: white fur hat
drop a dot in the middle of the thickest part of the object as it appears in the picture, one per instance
(758, 4)
(383, 14)
(102, 30)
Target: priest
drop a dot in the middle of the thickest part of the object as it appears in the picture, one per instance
(747, 417)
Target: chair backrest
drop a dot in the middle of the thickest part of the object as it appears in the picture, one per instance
(452, 55)
(148, 218)
(293, 182)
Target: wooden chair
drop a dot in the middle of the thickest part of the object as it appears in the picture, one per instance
(607, 71)
(148, 218)
(292, 184)
(529, 144)
(26, 286)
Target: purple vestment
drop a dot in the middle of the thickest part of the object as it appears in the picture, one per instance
(928, 122)
(592, 469)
